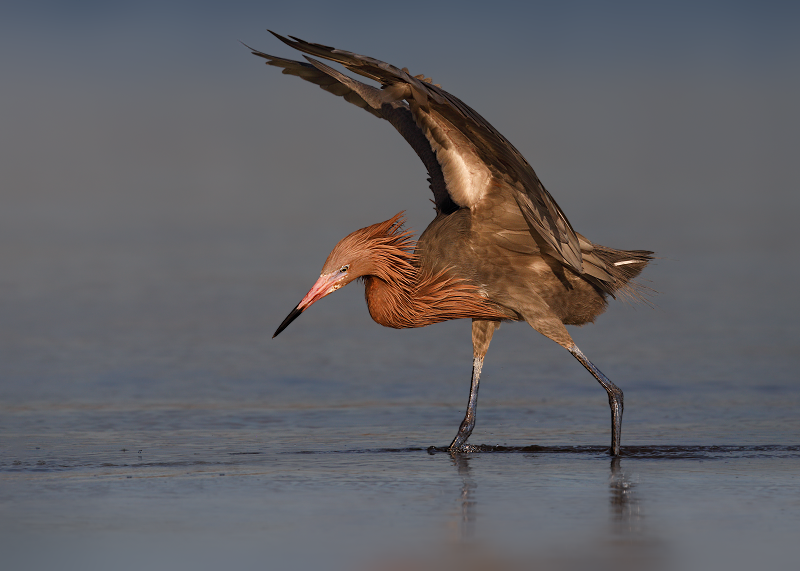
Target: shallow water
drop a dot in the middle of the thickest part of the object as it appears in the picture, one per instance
(254, 485)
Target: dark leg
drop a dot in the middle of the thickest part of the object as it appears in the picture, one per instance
(614, 397)
(482, 332)
(469, 419)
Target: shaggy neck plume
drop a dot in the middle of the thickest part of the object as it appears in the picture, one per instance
(401, 293)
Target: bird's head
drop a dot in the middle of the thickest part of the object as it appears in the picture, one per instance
(382, 250)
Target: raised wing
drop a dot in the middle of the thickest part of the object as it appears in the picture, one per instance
(471, 157)
(379, 103)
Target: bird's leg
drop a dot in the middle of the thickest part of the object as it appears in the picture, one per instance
(615, 400)
(482, 332)
(469, 418)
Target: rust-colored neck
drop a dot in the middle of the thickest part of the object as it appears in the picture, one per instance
(400, 290)
(430, 299)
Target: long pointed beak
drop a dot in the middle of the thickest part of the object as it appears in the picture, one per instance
(325, 284)
(289, 318)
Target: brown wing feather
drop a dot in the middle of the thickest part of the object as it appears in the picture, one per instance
(492, 149)
(379, 103)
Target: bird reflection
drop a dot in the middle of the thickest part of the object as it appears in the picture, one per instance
(631, 545)
(622, 545)
(467, 499)
(625, 513)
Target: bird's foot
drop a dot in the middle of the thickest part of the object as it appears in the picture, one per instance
(463, 449)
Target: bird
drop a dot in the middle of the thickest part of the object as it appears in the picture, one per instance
(499, 248)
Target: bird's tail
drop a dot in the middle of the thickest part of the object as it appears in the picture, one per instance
(622, 266)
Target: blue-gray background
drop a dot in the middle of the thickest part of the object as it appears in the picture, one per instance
(166, 199)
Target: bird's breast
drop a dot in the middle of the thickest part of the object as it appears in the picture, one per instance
(387, 306)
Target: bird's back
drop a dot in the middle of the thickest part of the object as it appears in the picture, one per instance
(492, 247)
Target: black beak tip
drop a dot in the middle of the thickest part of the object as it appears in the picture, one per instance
(289, 318)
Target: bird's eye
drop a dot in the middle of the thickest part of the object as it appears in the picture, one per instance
(344, 269)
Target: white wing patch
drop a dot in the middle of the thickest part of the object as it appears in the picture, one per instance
(625, 262)
(465, 174)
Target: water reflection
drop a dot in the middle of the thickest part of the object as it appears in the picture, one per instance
(467, 499)
(624, 502)
(622, 545)
(631, 546)
(625, 512)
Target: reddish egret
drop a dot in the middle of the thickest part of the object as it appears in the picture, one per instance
(499, 248)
